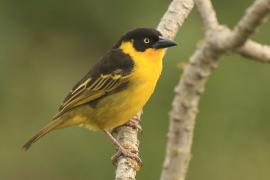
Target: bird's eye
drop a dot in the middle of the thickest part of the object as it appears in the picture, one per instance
(146, 40)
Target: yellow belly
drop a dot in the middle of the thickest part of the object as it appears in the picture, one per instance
(113, 110)
(117, 109)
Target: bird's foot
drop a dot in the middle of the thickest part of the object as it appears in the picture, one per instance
(135, 124)
(122, 151)
(132, 154)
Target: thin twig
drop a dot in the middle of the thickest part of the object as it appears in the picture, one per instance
(255, 51)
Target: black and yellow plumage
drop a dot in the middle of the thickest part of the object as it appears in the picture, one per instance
(116, 87)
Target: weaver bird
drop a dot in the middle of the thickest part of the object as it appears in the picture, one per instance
(116, 88)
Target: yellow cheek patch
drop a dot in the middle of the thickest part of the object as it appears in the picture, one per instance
(148, 54)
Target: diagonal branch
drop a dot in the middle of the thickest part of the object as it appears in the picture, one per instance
(174, 17)
(253, 17)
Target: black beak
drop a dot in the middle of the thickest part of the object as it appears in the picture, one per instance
(164, 43)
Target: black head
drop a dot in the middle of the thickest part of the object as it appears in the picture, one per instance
(144, 38)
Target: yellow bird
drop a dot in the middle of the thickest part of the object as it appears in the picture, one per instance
(116, 88)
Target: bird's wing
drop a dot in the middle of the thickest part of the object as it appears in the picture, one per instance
(91, 89)
(110, 74)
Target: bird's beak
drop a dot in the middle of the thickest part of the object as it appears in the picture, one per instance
(164, 43)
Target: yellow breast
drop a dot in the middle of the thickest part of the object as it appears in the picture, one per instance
(142, 82)
(146, 72)
(117, 109)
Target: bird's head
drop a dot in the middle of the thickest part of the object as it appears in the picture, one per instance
(146, 42)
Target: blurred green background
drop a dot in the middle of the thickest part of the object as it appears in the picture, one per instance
(46, 46)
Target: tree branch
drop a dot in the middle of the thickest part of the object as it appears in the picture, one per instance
(207, 13)
(128, 136)
(250, 49)
(195, 75)
(174, 17)
(184, 111)
(224, 39)
(185, 104)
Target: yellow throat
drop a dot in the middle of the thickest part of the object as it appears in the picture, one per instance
(147, 64)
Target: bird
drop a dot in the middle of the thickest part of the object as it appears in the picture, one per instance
(115, 89)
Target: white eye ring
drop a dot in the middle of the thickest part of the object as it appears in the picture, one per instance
(146, 40)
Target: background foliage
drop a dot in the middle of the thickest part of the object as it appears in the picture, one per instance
(46, 46)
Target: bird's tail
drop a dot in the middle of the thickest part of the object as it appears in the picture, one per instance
(48, 128)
